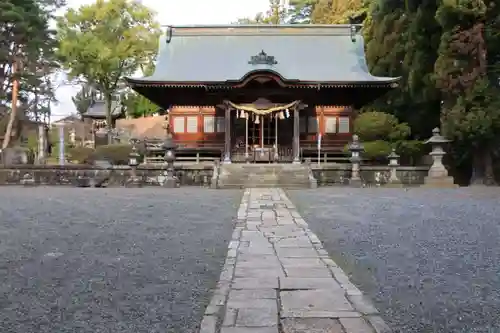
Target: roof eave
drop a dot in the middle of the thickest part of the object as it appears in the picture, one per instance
(146, 82)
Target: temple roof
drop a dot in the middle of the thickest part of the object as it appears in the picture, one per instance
(97, 110)
(300, 53)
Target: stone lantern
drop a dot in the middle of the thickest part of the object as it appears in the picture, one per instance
(356, 148)
(169, 157)
(438, 175)
(393, 166)
(133, 162)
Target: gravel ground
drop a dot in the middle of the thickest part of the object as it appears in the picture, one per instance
(430, 259)
(110, 260)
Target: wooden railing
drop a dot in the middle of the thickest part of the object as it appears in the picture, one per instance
(327, 145)
(208, 150)
(187, 151)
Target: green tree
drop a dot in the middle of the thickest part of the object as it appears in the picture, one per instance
(402, 39)
(83, 99)
(27, 41)
(107, 41)
(339, 12)
(300, 11)
(25, 37)
(137, 105)
(465, 75)
(276, 14)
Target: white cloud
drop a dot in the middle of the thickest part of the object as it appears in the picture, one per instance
(174, 12)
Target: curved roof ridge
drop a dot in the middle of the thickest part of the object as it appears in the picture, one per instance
(220, 55)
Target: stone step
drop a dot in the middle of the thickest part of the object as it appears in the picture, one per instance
(242, 186)
(268, 175)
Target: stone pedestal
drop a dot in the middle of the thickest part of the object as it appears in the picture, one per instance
(170, 182)
(134, 182)
(442, 182)
(28, 180)
(133, 162)
(355, 147)
(394, 180)
(215, 175)
(169, 146)
(82, 181)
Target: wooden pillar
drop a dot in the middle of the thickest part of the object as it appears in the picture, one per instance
(227, 141)
(321, 120)
(296, 136)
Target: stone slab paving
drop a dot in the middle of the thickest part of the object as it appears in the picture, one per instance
(277, 278)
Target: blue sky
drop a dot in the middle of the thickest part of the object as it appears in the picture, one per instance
(173, 12)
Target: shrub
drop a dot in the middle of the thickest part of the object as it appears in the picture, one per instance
(116, 154)
(411, 151)
(373, 126)
(377, 149)
(80, 155)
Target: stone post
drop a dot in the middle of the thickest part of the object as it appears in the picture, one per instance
(438, 175)
(62, 155)
(355, 147)
(394, 180)
(72, 136)
(227, 137)
(296, 136)
(42, 144)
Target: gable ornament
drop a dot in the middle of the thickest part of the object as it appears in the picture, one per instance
(262, 59)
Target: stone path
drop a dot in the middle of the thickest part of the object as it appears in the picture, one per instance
(277, 278)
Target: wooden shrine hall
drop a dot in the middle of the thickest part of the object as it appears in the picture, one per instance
(261, 92)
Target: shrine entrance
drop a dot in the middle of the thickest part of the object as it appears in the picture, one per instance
(263, 132)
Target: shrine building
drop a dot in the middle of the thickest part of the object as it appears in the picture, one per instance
(262, 92)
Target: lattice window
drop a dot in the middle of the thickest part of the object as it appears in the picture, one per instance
(179, 125)
(209, 124)
(220, 124)
(192, 124)
(330, 124)
(312, 125)
(303, 124)
(344, 125)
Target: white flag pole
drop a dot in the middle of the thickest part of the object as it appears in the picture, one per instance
(319, 148)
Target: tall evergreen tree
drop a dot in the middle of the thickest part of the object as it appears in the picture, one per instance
(339, 12)
(25, 39)
(402, 40)
(471, 97)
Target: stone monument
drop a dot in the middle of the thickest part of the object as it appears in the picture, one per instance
(438, 175)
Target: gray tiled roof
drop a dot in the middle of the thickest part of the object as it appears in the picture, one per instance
(98, 109)
(312, 53)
